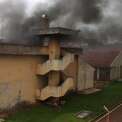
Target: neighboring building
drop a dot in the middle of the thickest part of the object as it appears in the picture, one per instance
(107, 64)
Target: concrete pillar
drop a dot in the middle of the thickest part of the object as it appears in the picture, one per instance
(54, 53)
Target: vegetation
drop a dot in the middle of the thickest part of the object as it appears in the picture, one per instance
(111, 95)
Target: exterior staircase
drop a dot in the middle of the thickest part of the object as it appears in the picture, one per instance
(55, 65)
(51, 91)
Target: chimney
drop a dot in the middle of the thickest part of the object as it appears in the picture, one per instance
(44, 23)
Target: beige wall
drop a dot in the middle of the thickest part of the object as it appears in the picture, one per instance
(71, 71)
(85, 76)
(18, 79)
(115, 71)
(19, 82)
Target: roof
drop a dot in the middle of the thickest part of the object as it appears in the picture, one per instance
(56, 31)
(10, 48)
(101, 57)
(13, 49)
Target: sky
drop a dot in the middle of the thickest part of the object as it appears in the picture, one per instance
(32, 3)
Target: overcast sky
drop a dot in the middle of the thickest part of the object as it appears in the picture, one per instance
(32, 3)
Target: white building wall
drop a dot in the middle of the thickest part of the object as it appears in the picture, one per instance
(85, 76)
(116, 68)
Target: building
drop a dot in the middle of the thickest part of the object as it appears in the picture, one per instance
(107, 64)
(85, 75)
(39, 71)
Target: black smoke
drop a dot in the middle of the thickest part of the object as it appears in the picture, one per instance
(12, 17)
(76, 14)
(88, 10)
(69, 13)
(16, 24)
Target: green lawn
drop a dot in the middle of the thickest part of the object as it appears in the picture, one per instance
(75, 103)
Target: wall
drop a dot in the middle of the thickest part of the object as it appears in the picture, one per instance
(85, 76)
(71, 71)
(116, 70)
(18, 79)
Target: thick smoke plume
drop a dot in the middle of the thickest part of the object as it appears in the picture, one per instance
(95, 19)
(15, 21)
(12, 17)
(69, 13)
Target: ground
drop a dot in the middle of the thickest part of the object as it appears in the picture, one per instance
(74, 103)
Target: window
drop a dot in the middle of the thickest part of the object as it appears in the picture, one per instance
(104, 74)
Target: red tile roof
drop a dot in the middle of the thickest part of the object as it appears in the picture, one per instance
(101, 57)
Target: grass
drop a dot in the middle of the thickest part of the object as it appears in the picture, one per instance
(109, 96)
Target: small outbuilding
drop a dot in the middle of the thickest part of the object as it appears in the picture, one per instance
(85, 75)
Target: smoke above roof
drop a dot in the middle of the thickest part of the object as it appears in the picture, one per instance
(97, 17)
